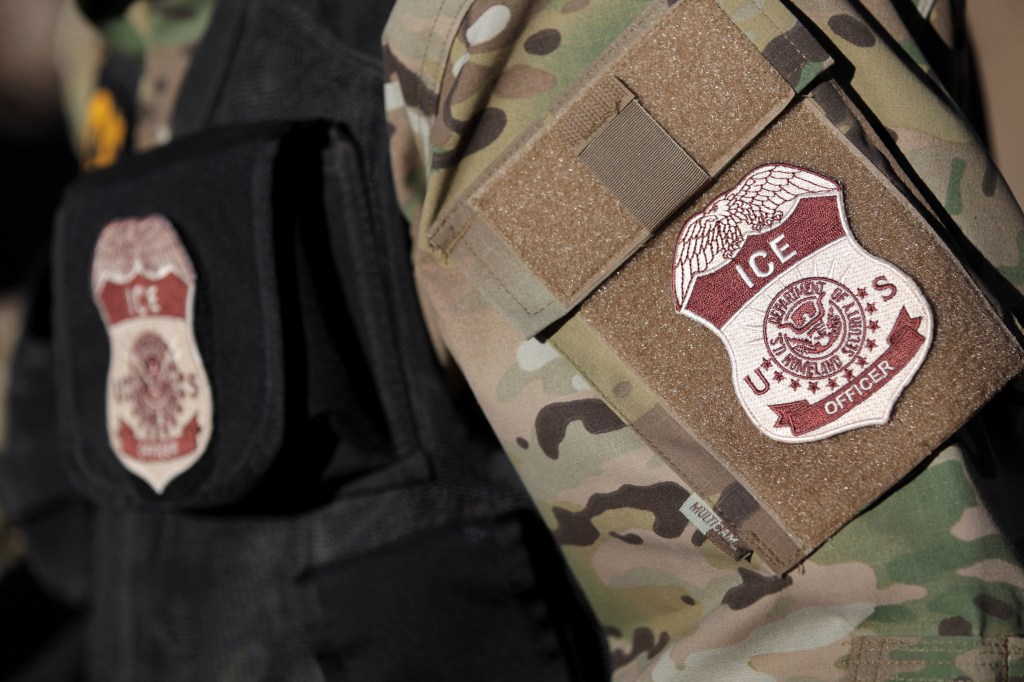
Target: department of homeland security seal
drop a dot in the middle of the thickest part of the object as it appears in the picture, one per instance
(159, 404)
(823, 336)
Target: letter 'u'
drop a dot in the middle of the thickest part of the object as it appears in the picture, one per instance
(764, 383)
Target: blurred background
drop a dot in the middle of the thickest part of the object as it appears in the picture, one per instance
(35, 160)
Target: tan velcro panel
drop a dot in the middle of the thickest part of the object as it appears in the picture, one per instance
(582, 191)
(683, 398)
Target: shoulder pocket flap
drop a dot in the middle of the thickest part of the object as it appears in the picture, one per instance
(168, 341)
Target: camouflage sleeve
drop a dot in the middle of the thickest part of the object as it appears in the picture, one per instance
(925, 584)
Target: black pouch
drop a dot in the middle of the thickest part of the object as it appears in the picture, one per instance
(128, 402)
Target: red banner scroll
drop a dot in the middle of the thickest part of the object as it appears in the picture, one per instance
(150, 449)
(904, 342)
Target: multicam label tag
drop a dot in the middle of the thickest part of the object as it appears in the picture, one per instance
(823, 336)
(159, 404)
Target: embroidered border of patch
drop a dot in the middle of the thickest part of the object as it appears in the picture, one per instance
(823, 336)
(159, 401)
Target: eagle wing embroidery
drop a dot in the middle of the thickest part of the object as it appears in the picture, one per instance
(760, 202)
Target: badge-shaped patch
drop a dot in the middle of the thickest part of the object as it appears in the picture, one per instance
(159, 404)
(823, 336)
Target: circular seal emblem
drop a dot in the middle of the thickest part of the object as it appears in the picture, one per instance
(814, 328)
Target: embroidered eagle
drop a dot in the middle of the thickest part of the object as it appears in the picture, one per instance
(134, 247)
(760, 202)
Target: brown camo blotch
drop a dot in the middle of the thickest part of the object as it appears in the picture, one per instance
(553, 420)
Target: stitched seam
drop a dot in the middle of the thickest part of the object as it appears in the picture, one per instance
(421, 73)
(858, 649)
(457, 235)
(1004, 670)
(755, 539)
(511, 293)
(426, 47)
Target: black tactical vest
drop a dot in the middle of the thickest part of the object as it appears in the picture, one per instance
(346, 519)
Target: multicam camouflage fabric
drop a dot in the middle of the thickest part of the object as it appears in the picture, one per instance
(922, 586)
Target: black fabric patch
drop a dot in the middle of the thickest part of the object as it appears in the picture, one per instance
(216, 191)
